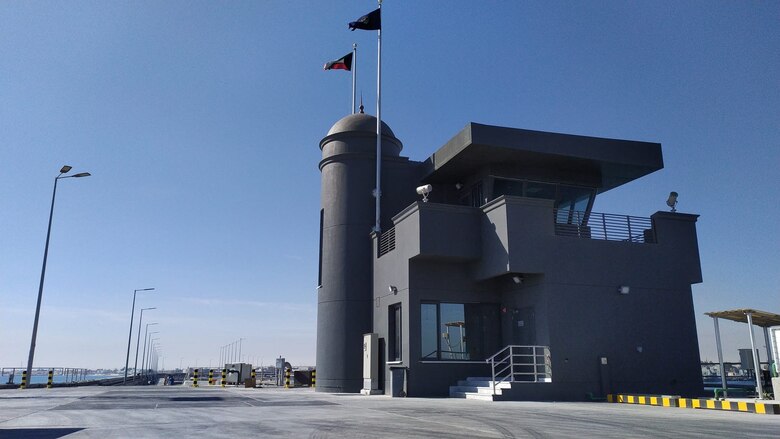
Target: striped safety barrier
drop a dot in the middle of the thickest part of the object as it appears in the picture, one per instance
(287, 378)
(195, 378)
(24, 380)
(697, 403)
(736, 406)
(211, 377)
(224, 377)
(659, 400)
(314, 377)
(51, 379)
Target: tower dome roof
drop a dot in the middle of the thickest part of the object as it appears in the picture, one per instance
(359, 122)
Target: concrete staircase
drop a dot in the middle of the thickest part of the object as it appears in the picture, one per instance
(480, 388)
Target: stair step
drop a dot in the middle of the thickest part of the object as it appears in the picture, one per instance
(480, 397)
(472, 395)
(486, 383)
(479, 388)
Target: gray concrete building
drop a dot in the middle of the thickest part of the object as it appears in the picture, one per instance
(505, 273)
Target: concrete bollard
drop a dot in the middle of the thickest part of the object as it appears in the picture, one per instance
(195, 378)
(287, 378)
(224, 377)
(211, 377)
(51, 378)
(314, 377)
(24, 380)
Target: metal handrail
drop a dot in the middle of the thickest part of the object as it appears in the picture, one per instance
(69, 374)
(512, 356)
(603, 226)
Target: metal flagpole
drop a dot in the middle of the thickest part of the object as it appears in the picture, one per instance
(354, 74)
(378, 190)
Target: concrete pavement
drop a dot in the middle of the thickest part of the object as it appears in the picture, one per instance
(213, 412)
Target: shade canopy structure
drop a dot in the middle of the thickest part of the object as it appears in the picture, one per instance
(752, 317)
(763, 319)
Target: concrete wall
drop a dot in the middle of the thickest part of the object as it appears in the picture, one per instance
(344, 309)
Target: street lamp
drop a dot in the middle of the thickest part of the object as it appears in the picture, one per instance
(143, 355)
(64, 170)
(152, 351)
(130, 336)
(144, 361)
(138, 339)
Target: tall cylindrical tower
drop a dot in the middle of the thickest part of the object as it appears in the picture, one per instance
(344, 311)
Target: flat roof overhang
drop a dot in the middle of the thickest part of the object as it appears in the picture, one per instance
(616, 162)
(763, 319)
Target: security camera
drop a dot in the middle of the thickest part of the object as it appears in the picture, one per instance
(672, 201)
(424, 191)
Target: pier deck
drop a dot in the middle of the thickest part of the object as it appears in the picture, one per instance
(177, 411)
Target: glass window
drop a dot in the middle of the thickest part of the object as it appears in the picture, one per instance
(394, 333)
(476, 195)
(502, 186)
(457, 331)
(453, 332)
(572, 199)
(319, 271)
(429, 332)
(535, 189)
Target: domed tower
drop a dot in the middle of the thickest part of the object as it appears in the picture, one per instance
(344, 311)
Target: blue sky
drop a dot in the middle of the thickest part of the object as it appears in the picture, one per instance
(200, 124)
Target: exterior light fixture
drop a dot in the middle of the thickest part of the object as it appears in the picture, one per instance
(672, 201)
(624, 289)
(517, 279)
(392, 289)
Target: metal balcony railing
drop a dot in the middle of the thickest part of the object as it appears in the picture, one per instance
(530, 364)
(604, 226)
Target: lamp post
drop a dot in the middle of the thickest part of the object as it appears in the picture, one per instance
(145, 361)
(64, 170)
(138, 339)
(130, 336)
(143, 355)
(152, 352)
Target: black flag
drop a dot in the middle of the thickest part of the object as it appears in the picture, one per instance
(370, 21)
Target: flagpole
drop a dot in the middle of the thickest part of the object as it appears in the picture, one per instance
(378, 191)
(354, 74)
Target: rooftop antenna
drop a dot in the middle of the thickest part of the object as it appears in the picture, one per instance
(361, 102)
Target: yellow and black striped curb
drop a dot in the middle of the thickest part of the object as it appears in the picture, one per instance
(736, 406)
(660, 400)
(696, 403)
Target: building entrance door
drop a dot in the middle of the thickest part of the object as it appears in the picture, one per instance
(523, 332)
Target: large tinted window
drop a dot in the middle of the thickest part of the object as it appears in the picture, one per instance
(428, 331)
(394, 333)
(457, 331)
(572, 199)
(503, 186)
(453, 332)
(535, 189)
(568, 199)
